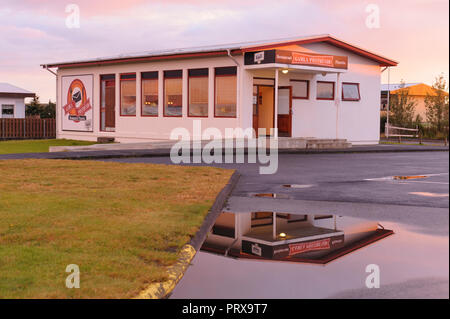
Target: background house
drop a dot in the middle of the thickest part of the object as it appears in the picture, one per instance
(12, 101)
(417, 91)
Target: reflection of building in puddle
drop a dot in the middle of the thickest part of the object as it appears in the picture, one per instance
(290, 237)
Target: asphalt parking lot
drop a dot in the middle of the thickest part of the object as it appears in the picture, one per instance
(346, 178)
(407, 192)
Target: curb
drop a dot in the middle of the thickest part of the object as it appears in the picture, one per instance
(92, 155)
(176, 272)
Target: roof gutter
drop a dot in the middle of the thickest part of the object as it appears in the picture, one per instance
(238, 93)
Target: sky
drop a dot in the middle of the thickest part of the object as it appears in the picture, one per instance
(32, 32)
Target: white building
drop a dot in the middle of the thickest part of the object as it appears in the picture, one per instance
(326, 88)
(12, 101)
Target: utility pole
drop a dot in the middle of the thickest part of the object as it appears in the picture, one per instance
(386, 131)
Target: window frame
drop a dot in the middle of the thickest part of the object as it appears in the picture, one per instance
(164, 91)
(348, 99)
(215, 90)
(142, 93)
(188, 91)
(326, 98)
(13, 109)
(307, 90)
(120, 91)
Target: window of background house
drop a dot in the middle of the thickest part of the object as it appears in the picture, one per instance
(325, 90)
(300, 89)
(7, 110)
(225, 92)
(128, 94)
(350, 92)
(149, 93)
(173, 93)
(198, 92)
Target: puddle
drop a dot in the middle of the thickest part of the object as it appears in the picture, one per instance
(271, 195)
(285, 255)
(290, 237)
(427, 194)
(297, 186)
(404, 177)
(408, 177)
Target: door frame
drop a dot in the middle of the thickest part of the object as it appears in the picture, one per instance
(257, 106)
(290, 108)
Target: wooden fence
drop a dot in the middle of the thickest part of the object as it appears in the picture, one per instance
(27, 128)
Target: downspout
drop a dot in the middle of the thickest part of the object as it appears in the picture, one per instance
(238, 93)
(56, 102)
(388, 108)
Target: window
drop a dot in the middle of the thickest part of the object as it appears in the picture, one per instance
(173, 93)
(149, 85)
(225, 92)
(261, 219)
(300, 89)
(317, 217)
(350, 91)
(198, 92)
(128, 94)
(7, 110)
(325, 90)
(107, 102)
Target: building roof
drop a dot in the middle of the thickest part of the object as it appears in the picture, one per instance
(413, 89)
(7, 89)
(222, 50)
(396, 86)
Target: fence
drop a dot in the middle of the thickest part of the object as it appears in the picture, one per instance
(27, 128)
(395, 131)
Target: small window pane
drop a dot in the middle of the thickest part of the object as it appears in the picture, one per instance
(299, 89)
(350, 92)
(150, 97)
(128, 97)
(198, 96)
(173, 93)
(226, 96)
(325, 90)
(7, 110)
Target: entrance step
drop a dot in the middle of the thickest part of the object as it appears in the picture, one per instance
(316, 143)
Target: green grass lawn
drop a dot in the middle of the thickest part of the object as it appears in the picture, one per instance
(36, 146)
(122, 224)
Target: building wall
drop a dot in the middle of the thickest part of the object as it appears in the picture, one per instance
(421, 108)
(137, 128)
(357, 122)
(19, 106)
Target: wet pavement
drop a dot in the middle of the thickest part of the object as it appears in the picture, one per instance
(412, 265)
(413, 261)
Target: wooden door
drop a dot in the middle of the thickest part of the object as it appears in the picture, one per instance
(285, 111)
(266, 96)
(110, 104)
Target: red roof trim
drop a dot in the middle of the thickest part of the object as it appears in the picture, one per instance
(383, 61)
(141, 59)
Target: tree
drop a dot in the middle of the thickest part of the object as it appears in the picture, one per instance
(437, 105)
(44, 111)
(48, 111)
(402, 108)
(33, 108)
